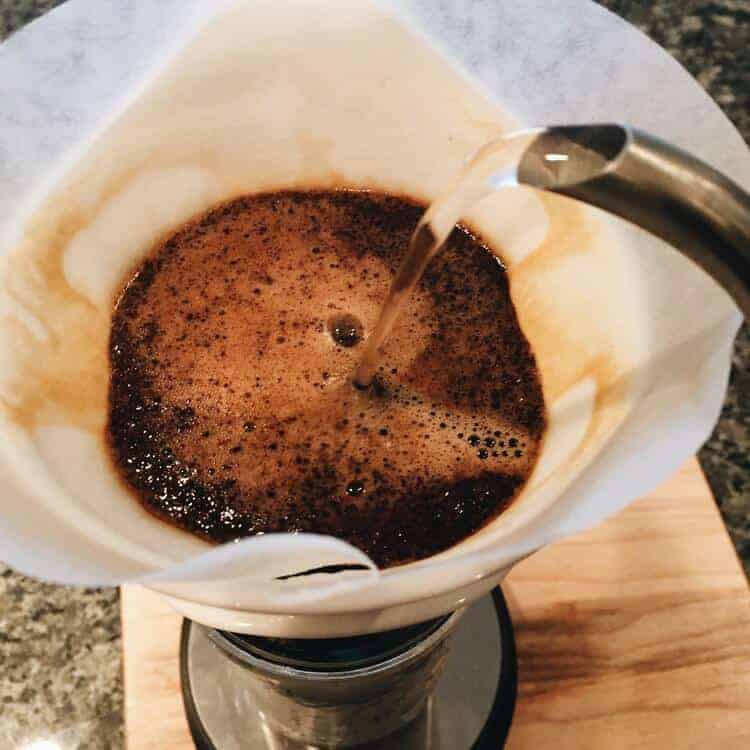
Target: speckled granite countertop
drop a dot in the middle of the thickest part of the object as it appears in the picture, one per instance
(60, 647)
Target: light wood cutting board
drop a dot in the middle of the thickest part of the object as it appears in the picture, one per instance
(633, 635)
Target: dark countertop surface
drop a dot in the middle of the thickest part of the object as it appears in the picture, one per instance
(60, 676)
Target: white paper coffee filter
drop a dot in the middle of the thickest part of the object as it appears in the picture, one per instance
(122, 119)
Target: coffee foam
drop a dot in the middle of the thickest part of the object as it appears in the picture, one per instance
(233, 410)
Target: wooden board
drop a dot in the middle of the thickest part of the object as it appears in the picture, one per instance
(633, 635)
(154, 716)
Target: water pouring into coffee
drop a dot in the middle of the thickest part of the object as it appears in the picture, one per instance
(631, 174)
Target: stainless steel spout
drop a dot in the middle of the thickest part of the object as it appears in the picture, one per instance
(673, 195)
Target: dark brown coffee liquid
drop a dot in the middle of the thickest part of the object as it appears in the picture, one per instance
(232, 409)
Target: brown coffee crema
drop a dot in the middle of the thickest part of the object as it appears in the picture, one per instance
(231, 407)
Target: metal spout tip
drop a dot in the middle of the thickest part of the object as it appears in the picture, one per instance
(567, 155)
(654, 185)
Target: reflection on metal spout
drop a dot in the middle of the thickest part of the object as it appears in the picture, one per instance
(571, 154)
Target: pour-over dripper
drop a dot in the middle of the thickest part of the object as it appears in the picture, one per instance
(653, 184)
(261, 70)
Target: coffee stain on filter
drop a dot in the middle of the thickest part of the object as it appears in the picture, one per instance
(60, 376)
(62, 281)
(571, 295)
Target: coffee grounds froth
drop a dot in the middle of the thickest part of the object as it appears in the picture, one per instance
(232, 410)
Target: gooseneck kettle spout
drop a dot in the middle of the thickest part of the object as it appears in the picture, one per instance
(655, 185)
